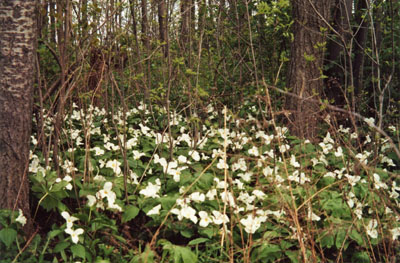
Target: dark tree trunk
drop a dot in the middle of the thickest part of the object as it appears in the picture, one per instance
(17, 67)
(360, 40)
(162, 20)
(337, 53)
(305, 68)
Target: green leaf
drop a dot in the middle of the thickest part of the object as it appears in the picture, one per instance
(357, 237)
(8, 236)
(198, 241)
(60, 247)
(340, 236)
(78, 251)
(327, 240)
(188, 233)
(185, 254)
(130, 213)
(360, 257)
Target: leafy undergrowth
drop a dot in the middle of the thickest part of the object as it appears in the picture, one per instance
(141, 187)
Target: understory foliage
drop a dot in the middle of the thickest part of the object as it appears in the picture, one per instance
(142, 186)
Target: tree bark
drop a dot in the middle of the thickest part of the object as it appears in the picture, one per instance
(17, 67)
(305, 68)
(337, 53)
(162, 20)
(360, 38)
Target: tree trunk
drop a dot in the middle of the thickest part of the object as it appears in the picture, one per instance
(162, 20)
(337, 53)
(305, 68)
(17, 67)
(359, 46)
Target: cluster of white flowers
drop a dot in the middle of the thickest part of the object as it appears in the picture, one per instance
(106, 192)
(152, 189)
(69, 230)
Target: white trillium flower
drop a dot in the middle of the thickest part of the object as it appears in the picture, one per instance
(70, 219)
(293, 161)
(395, 233)
(219, 218)
(251, 224)
(91, 200)
(114, 165)
(371, 228)
(254, 151)
(155, 210)
(74, 234)
(205, 219)
(21, 218)
(107, 192)
(152, 189)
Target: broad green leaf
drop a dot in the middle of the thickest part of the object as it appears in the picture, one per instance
(8, 236)
(60, 247)
(78, 251)
(130, 213)
(360, 257)
(186, 254)
(198, 241)
(357, 237)
(340, 236)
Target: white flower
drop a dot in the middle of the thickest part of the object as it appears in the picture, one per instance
(152, 189)
(114, 165)
(395, 233)
(91, 200)
(313, 216)
(205, 219)
(211, 194)
(284, 147)
(378, 184)
(68, 178)
(98, 151)
(371, 228)
(267, 171)
(339, 152)
(182, 159)
(326, 147)
(21, 218)
(352, 179)
(195, 155)
(70, 219)
(137, 155)
(107, 192)
(69, 167)
(131, 142)
(251, 224)
(219, 218)
(293, 161)
(74, 234)
(228, 198)
(254, 151)
(370, 121)
(246, 176)
(114, 206)
(155, 210)
(328, 139)
(222, 164)
(185, 212)
(197, 197)
(240, 165)
(259, 194)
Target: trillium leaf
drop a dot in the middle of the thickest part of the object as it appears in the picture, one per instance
(78, 251)
(8, 236)
(198, 241)
(130, 213)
